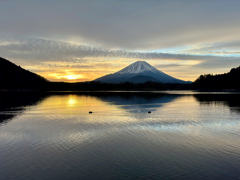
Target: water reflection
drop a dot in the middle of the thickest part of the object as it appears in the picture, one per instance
(230, 100)
(54, 136)
(72, 101)
(113, 103)
(138, 102)
(13, 104)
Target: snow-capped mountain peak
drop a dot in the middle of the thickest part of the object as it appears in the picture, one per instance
(138, 67)
(139, 72)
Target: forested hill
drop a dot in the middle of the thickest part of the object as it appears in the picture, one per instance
(13, 76)
(230, 80)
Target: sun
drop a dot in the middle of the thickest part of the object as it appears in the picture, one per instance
(73, 76)
(67, 76)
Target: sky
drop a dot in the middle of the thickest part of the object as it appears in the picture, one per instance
(81, 40)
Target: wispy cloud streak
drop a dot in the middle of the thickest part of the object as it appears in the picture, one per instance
(48, 50)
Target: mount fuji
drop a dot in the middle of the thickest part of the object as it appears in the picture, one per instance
(139, 72)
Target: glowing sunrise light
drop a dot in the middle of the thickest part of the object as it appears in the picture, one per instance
(66, 76)
(71, 102)
(72, 77)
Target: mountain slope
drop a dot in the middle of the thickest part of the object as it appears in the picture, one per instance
(139, 68)
(13, 76)
(141, 79)
(230, 80)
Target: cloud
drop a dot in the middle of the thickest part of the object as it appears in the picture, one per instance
(52, 58)
(48, 51)
(40, 55)
(220, 48)
(225, 63)
(170, 65)
(47, 57)
(102, 36)
(128, 25)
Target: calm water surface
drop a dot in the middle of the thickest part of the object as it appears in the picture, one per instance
(186, 136)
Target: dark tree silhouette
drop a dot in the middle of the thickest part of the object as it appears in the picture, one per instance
(230, 80)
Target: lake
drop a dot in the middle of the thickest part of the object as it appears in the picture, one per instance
(187, 135)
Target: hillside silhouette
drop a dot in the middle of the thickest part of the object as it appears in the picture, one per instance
(13, 76)
(230, 80)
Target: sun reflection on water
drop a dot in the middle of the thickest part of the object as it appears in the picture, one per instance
(72, 101)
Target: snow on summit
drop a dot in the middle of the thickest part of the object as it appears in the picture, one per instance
(138, 67)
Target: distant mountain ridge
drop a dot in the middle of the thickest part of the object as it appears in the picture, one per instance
(13, 76)
(139, 72)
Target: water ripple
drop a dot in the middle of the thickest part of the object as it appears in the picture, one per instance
(182, 138)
